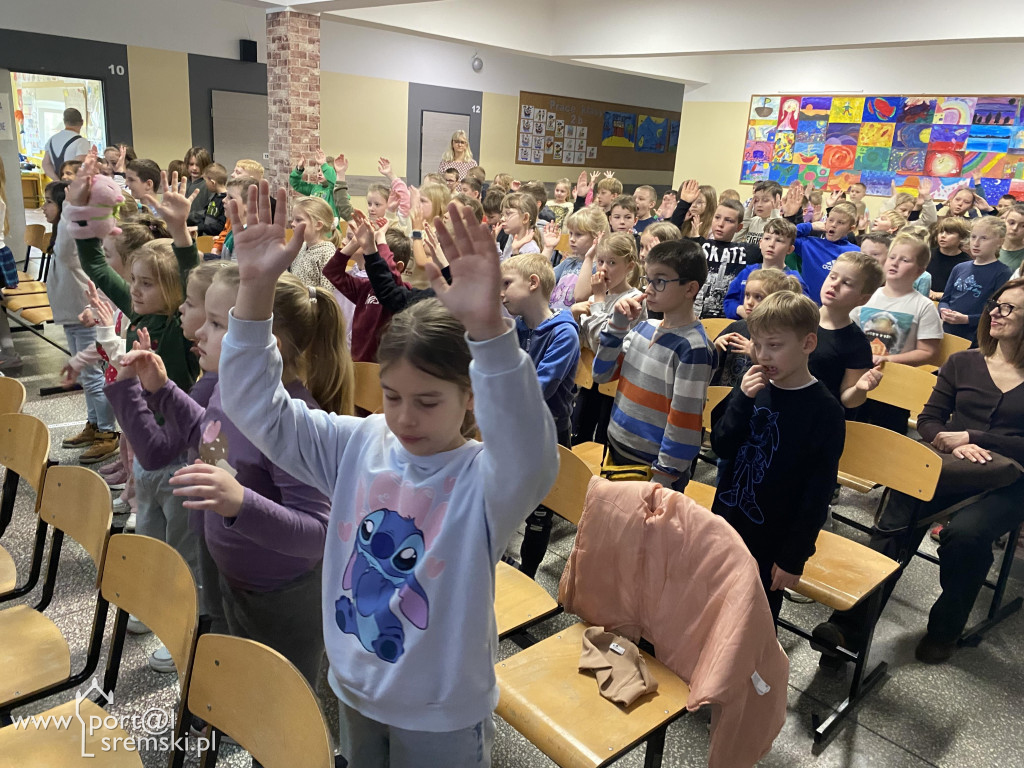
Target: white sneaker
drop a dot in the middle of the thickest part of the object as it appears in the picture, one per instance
(136, 627)
(161, 660)
(129, 524)
(121, 506)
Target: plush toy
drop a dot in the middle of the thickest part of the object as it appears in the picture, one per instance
(97, 218)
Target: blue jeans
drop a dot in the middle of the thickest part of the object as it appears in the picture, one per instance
(98, 408)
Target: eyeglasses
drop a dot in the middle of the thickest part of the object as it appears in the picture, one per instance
(1001, 309)
(460, 141)
(659, 283)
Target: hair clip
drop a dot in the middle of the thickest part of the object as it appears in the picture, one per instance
(312, 294)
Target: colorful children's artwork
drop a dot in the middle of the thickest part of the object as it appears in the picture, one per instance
(847, 109)
(989, 138)
(757, 130)
(538, 142)
(811, 131)
(839, 157)
(846, 134)
(753, 172)
(618, 130)
(815, 175)
(591, 152)
(540, 115)
(581, 131)
(996, 110)
(911, 135)
(551, 122)
(538, 155)
(808, 153)
(842, 180)
(539, 127)
(954, 110)
(1017, 140)
(993, 189)
(527, 113)
(980, 165)
(916, 109)
(1017, 188)
(882, 109)
(784, 173)
(945, 188)
(912, 184)
(876, 134)
(765, 108)
(947, 137)
(525, 153)
(815, 108)
(673, 135)
(570, 131)
(549, 145)
(877, 182)
(872, 159)
(789, 112)
(556, 152)
(559, 128)
(943, 164)
(652, 134)
(905, 161)
(580, 158)
(757, 151)
(526, 126)
(784, 141)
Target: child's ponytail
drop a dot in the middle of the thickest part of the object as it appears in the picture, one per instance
(311, 328)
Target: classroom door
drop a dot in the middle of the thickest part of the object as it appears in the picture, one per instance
(436, 129)
(239, 127)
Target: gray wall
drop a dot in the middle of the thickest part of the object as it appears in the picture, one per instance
(437, 99)
(207, 74)
(15, 203)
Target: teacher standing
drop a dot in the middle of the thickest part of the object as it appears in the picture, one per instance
(459, 156)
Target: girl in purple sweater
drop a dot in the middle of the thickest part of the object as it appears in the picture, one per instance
(263, 530)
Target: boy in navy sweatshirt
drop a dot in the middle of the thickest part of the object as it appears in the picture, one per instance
(725, 258)
(552, 339)
(781, 432)
(814, 255)
(972, 283)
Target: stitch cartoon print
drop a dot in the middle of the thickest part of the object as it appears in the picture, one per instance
(753, 459)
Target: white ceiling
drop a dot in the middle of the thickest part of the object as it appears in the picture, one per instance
(680, 40)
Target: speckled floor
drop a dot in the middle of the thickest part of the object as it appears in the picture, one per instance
(963, 713)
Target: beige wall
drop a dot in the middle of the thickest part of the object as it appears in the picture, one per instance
(161, 116)
(711, 141)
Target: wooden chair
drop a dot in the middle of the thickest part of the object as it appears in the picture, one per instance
(368, 393)
(714, 397)
(136, 569)
(34, 653)
(204, 243)
(12, 395)
(702, 493)
(24, 452)
(713, 326)
(563, 242)
(35, 237)
(949, 344)
(231, 678)
(519, 601)
(904, 386)
(585, 369)
(843, 573)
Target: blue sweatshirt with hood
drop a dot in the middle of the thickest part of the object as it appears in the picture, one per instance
(813, 257)
(554, 347)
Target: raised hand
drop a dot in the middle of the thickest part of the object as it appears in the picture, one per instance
(834, 197)
(364, 234)
(689, 190)
(78, 192)
(582, 185)
(415, 208)
(173, 206)
(320, 157)
(793, 200)
(122, 159)
(754, 380)
(384, 168)
(609, 174)
(209, 488)
(301, 164)
(594, 176)
(515, 185)
(148, 367)
(552, 235)
(260, 247)
(340, 165)
(521, 241)
(473, 296)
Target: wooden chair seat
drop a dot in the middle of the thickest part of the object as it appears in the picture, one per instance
(546, 698)
(858, 484)
(204, 243)
(26, 301)
(843, 572)
(592, 455)
(26, 287)
(701, 493)
(8, 572)
(25, 277)
(55, 747)
(368, 393)
(37, 315)
(519, 601)
(585, 369)
(33, 653)
(713, 326)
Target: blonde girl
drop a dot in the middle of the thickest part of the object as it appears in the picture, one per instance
(518, 221)
(389, 201)
(420, 514)
(561, 204)
(658, 232)
(431, 200)
(459, 157)
(701, 213)
(262, 530)
(585, 226)
(320, 242)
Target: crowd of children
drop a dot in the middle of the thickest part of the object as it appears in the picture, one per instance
(233, 384)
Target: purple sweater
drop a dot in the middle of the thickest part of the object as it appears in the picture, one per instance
(280, 530)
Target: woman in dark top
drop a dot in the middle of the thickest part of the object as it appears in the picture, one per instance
(976, 409)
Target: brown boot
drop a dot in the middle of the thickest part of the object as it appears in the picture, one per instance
(83, 439)
(103, 447)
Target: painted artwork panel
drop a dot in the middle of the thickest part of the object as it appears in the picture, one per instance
(815, 108)
(989, 138)
(754, 172)
(784, 173)
(842, 133)
(916, 109)
(911, 135)
(652, 134)
(784, 142)
(758, 151)
(877, 182)
(789, 112)
(996, 110)
(811, 131)
(993, 189)
(945, 188)
(842, 180)
(846, 109)
(872, 159)
(1017, 140)
(882, 109)
(758, 130)
(876, 134)
(808, 153)
(943, 164)
(947, 137)
(673, 135)
(618, 130)
(838, 157)
(954, 110)
(907, 161)
(1017, 188)
(765, 108)
(815, 175)
(984, 164)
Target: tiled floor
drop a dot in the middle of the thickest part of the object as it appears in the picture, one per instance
(963, 713)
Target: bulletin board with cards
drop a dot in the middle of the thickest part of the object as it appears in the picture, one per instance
(560, 131)
(935, 143)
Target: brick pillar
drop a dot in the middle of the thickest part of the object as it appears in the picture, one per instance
(293, 91)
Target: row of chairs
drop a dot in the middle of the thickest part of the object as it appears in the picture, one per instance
(222, 679)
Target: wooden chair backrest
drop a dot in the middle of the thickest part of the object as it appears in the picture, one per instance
(949, 344)
(151, 581)
(258, 697)
(702, 493)
(569, 493)
(205, 243)
(35, 237)
(609, 388)
(563, 242)
(25, 447)
(585, 369)
(904, 386)
(713, 326)
(77, 501)
(886, 458)
(12, 395)
(715, 396)
(288, 234)
(368, 395)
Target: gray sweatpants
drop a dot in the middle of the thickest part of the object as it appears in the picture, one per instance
(369, 744)
(162, 515)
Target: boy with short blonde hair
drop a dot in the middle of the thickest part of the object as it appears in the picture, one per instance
(764, 206)
(781, 434)
(646, 200)
(606, 191)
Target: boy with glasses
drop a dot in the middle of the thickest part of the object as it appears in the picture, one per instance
(663, 367)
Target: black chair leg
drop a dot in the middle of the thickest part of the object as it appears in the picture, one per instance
(996, 610)
(655, 748)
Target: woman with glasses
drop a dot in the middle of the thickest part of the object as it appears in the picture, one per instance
(459, 156)
(976, 416)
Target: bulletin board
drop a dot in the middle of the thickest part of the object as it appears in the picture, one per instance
(561, 131)
(937, 143)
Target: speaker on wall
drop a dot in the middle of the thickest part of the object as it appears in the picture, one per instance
(247, 50)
